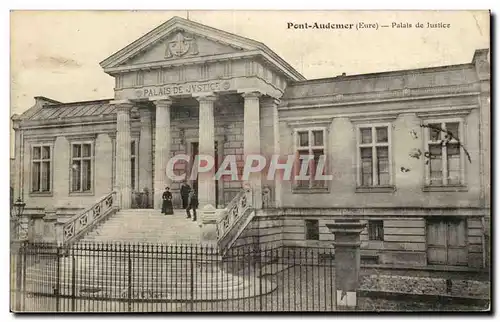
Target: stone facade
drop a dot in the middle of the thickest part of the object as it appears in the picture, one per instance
(233, 95)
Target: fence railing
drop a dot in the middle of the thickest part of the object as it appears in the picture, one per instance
(114, 277)
(164, 278)
(234, 218)
(81, 223)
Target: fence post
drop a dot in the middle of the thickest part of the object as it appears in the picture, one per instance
(192, 279)
(129, 296)
(347, 261)
(19, 294)
(58, 278)
(73, 280)
(24, 266)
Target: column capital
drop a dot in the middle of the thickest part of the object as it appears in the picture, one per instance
(166, 102)
(121, 103)
(205, 97)
(122, 106)
(250, 93)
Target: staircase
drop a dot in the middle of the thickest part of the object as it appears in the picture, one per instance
(141, 254)
(147, 226)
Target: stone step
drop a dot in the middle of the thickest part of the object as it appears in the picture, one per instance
(214, 282)
(188, 292)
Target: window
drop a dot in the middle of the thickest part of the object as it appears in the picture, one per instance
(374, 151)
(133, 164)
(82, 157)
(443, 153)
(310, 144)
(376, 230)
(41, 166)
(312, 229)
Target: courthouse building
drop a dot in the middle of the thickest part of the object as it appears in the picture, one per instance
(409, 150)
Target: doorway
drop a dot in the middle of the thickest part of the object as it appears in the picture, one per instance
(447, 241)
(195, 148)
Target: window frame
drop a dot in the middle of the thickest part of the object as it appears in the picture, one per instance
(92, 167)
(306, 230)
(371, 225)
(310, 148)
(375, 174)
(444, 154)
(41, 160)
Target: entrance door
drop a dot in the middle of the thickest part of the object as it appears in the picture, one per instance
(195, 149)
(446, 241)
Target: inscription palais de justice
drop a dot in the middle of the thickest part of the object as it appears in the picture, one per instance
(179, 89)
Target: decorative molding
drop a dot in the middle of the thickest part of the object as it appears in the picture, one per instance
(457, 111)
(376, 189)
(180, 46)
(389, 117)
(34, 138)
(310, 122)
(81, 136)
(449, 188)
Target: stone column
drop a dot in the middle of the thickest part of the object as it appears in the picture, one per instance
(146, 154)
(162, 148)
(347, 261)
(123, 153)
(251, 141)
(206, 180)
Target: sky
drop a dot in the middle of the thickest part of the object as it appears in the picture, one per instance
(56, 54)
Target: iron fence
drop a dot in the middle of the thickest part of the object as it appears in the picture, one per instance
(114, 277)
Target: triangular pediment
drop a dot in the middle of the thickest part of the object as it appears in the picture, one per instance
(178, 40)
(179, 44)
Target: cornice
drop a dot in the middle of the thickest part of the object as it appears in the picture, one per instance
(182, 62)
(378, 97)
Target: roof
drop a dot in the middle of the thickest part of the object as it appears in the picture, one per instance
(74, 109)
(384, 81)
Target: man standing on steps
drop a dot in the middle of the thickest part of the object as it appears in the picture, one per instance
(192, 204)
(185, 189)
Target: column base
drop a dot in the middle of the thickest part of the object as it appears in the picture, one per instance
(126, 198)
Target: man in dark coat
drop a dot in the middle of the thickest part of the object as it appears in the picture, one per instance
(185, 189)
(193, 204)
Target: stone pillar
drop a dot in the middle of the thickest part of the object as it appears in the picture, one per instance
(251, 141)
(206, 180)
(347, 261)
(146, 155)
(270, 144)
(123, 153)
(162, 148)
(16, 185)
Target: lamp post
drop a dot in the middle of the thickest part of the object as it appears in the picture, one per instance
(19, 206)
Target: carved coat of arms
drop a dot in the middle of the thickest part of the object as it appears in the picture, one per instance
(180, 46)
